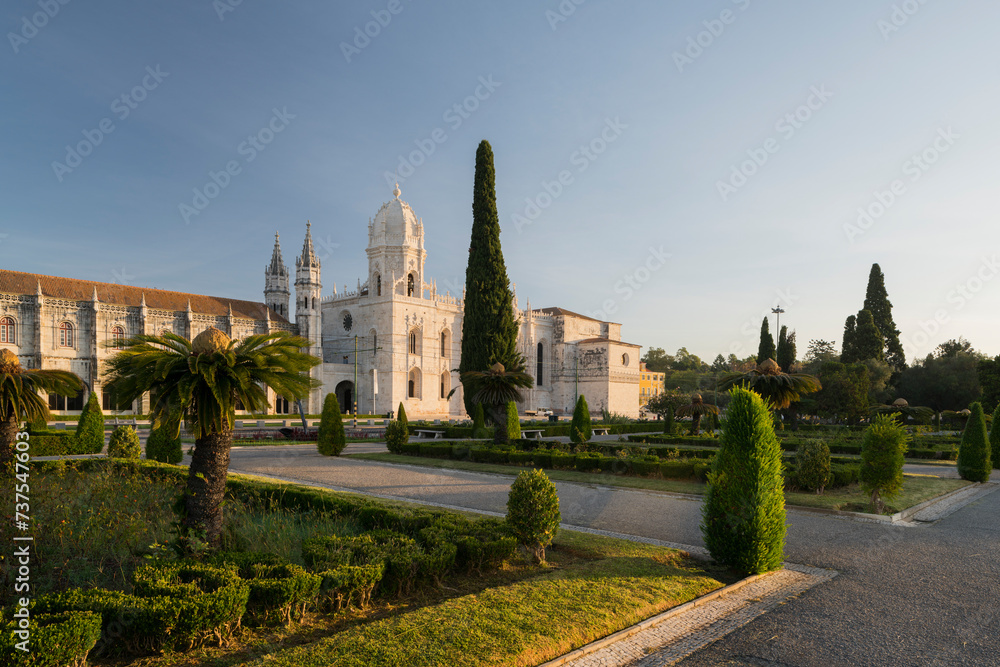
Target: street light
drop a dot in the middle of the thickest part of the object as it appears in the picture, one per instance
(777, 320)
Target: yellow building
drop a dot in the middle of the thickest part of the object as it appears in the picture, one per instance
(650, 383)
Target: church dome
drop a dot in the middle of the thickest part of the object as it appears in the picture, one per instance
(396, 218)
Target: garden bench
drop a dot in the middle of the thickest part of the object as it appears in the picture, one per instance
(432, 435)
(536, 435)
(600, 431)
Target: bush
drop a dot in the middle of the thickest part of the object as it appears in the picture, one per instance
(513, 422)
(441, 450)
(882, 449)
(56, 640)
(90, 428)
(588, 461)
(542, 458)
(563, 460)
(350, 584)
(995, 439)
(401, 417)
(974, 452)
(330, 440)
(124, 444)
(164, 443)
(397, 435)
(744, 511)
(533, 511)
(812, 466)
(51, 444)
(580, 430)
(479, 431)
(677, 469)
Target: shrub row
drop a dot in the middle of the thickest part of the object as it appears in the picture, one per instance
(549, 430)
(60, 444)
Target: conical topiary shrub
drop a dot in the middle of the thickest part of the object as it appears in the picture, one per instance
(580, 430)
(995, 439)
(478, 422)
(974, 452)
(533, 511)
(401, 417)
(743, 519)
(331, 439)
(90, 428)
(164, 442)
(513, 422)
(124, 444)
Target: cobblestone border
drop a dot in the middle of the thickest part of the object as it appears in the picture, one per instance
(668, 638)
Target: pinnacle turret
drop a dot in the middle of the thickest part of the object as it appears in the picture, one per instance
(308, 258)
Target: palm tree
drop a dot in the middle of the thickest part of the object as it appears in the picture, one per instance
(495, 389)
(903, 408)
(19, 399)
(695, 409)
(204, 380)
(781, 389)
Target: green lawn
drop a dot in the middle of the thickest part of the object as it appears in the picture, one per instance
(916, 488)
(593, 587)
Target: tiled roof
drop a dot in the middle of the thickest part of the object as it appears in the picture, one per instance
(604, 340)
(564, 312)
(16, 282)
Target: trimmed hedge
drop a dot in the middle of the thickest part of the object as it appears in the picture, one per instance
(55, 640)
(63, 444)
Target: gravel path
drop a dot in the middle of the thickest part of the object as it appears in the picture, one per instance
(906, 595)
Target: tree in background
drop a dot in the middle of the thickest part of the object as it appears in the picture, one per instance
(489, 330)
(848, 350)
(657, 360)
(331, 440)
(766, 348)
(786, 350)
(845, 391)
(941, 383)
(882, 449)
(954, 347)
(743, 518)
(580, 430)
(995, 439)
(779, 389)
(90, 428)
(868, 340)
(974, 453)
(720, 365)
(988, 373)
(878, 304)
(695, 409)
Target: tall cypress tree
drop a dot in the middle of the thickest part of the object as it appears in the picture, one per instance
(848, 351)
(877, 302)
(489, 331)
(786, 350)
(868, 340)
(766, 348)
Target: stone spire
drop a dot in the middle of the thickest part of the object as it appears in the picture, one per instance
(277, 267)
(308, 258)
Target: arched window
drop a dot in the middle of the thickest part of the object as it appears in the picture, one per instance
(445, 344)
(539, 365)
(409, 285)
(65, 335)
(624, 360)
(378, 285)
(445, 384)
(413, 384)
(117, 337)
(413, 343)
(7, 330)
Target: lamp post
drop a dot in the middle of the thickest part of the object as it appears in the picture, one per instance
(777, 320)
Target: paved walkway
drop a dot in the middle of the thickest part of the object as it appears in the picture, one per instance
(912, 594)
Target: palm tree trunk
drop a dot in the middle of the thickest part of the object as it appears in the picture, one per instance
(8, 435)
(206, 485)
(499, 415)
(696, 423)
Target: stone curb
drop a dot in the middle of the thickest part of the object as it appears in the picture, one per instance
(651, 621)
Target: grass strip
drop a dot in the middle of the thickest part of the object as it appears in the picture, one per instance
(525, 623)
(916, 488)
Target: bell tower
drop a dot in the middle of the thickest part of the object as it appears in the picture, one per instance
(308, 308)
(396, 251)
(276, 292)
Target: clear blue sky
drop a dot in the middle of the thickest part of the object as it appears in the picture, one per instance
(666, 124)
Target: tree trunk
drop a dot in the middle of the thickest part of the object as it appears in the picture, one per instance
(499, 415)
(8, 436)
(696, 423)
(206, 485)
